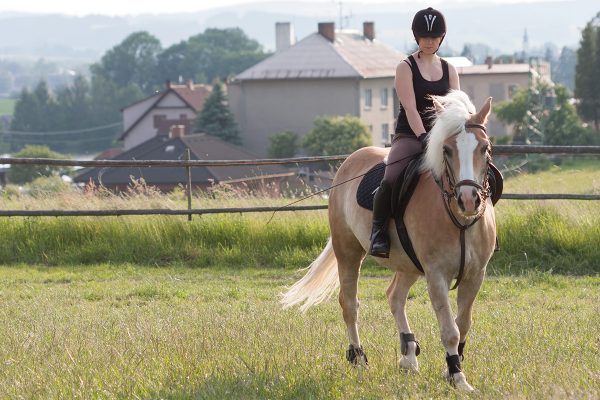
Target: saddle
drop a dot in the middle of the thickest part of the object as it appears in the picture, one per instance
(402, 192)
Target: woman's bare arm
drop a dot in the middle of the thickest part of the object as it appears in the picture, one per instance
(406, 95)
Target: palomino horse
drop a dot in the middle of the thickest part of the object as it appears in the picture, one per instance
(452, 189)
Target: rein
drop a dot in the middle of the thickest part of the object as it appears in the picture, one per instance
(483, 191)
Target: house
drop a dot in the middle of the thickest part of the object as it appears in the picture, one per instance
(327, 73)
(173, 147)
(155, 115)
(346, 72)
(499, 81)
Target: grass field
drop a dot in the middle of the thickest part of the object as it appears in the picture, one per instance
(7, 106)
(157, 307)
(124, 331)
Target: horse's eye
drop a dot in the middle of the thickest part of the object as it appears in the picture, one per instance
(447, 151)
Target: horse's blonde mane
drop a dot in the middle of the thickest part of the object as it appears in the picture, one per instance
(457, 109)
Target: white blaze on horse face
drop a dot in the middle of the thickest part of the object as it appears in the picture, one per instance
(466, 143)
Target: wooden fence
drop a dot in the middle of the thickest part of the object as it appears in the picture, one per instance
(189, 164)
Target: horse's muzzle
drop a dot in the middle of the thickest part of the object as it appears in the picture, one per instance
(468, 195)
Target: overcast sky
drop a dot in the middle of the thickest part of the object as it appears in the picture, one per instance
(126, 7)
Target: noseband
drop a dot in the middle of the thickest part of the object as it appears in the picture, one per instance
(483, 191)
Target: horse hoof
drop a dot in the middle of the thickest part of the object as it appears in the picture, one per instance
(459, 381)
(409, 363)
(356, 356)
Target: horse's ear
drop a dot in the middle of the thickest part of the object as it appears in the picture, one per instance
(438, 106)
(483, 114)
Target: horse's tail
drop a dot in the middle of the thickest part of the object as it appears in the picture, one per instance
(317, 285)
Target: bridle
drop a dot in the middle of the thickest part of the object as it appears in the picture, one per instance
(483, 191)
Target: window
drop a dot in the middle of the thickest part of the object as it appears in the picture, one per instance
(512, 89)
(368, 98)
(385, 133)
(497, 91)
(384, 97)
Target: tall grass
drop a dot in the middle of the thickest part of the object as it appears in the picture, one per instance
(559, 236)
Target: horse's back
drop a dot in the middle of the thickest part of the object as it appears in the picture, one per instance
(359, 163)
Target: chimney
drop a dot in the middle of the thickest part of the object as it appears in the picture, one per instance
(284, 36)
(327, 30)
(489, 62)
(168, 84)
(369, 30)
(190, 84)
(176, 131)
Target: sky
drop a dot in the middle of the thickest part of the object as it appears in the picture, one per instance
(129, 7)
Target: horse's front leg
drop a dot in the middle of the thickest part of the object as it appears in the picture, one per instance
(438, 293)
(467, 291)
(397, 294)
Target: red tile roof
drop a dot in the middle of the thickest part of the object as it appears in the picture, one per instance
(194, 95)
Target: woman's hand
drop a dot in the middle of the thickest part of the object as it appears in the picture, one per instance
(423, 139)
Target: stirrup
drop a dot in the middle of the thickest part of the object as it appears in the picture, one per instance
(385, 253)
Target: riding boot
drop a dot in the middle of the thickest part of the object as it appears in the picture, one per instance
(380, 242)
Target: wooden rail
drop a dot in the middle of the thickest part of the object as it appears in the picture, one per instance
(188, 164)
(498, 150)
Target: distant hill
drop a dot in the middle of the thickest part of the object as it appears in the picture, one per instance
(501, 27)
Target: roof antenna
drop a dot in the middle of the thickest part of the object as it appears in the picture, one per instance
(343, 17)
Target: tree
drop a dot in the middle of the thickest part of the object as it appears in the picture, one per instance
(587, 84)
(563, 126)
(21, 174)
(283, 145)
(35, 111)
(40, 117)
(563, 71)
(527, 110)
(74, 104)
(134, 61)
(216, 119)
(557, 125)
(213, 54)
(334, 135)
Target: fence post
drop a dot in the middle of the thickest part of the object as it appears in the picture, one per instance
(189, 182)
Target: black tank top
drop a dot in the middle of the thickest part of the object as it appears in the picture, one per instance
(423, 88)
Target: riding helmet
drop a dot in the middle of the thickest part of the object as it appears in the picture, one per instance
(429, 23)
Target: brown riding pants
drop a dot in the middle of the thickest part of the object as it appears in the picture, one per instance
(403, 146)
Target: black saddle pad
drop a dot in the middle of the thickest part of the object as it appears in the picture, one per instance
(368, 185)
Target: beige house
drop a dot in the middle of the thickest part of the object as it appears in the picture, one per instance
(342, 72)
(327, 73)
(499, 81)
(153, 116)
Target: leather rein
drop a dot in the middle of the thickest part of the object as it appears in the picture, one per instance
(483, 191)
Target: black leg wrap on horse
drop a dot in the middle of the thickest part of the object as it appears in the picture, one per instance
(404, 339)
(461, 350)
(453, 364)
(353, 353)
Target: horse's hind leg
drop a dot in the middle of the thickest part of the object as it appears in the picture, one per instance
(397, 294)
(349, 254)
(467, 291)
(438, 293)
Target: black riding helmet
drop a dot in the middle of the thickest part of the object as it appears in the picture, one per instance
(429, 23)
